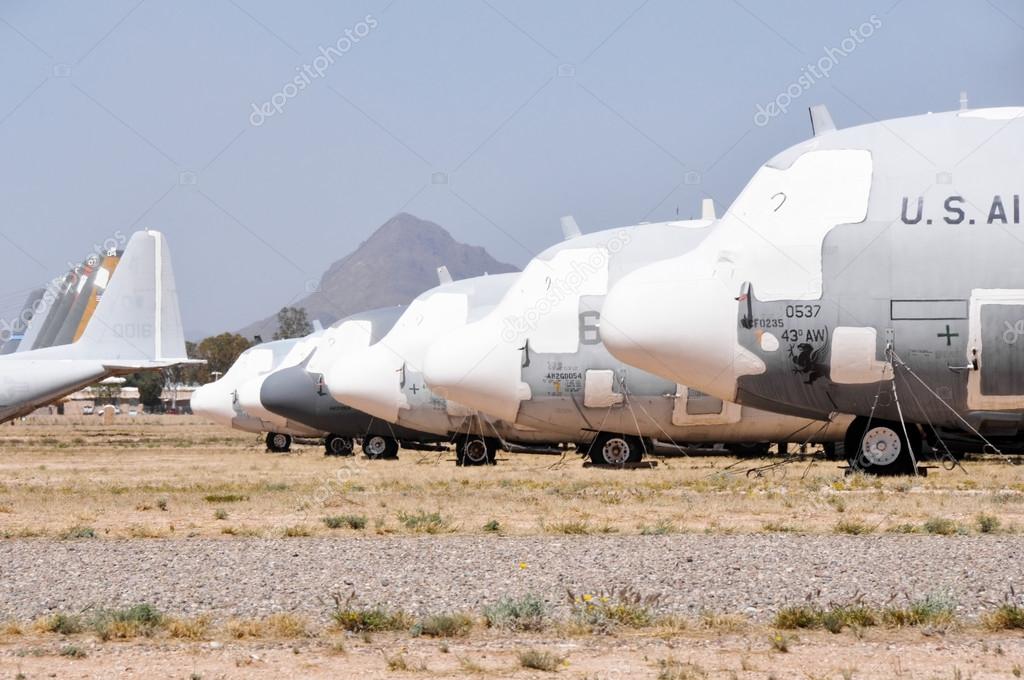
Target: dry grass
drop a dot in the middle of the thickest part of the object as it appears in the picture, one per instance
(159, 477)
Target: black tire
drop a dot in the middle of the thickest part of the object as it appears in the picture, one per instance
(378, 447)
(616, 449)
(834, 451)
(476, 451)
(882, 448)
(749, 450)
(278, 442)
(336, 445)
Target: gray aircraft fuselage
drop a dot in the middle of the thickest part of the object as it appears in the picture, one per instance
(874, 270)
(299, 394)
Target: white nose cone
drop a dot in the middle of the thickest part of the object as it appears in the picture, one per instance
(369, 381)
(249, 400)
(666, 320)
(475, 367)
(214, 401)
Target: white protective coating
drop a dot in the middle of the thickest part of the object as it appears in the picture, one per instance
(221, 401)
(769, 342)
(481, 364)
(598, 389)
(1002, 113)
(853, 359)
(678, 317)
(975, 399)
(731, 413)
(551, 290)
(371, 380)
(249, 392)
(777, 226)
(348, 336)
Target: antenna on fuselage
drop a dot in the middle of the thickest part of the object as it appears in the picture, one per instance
(569, 227)
(707, 209)
(821, 120)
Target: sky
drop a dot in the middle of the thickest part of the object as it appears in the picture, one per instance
(268, 140)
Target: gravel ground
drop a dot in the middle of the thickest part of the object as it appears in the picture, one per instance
(751, 574)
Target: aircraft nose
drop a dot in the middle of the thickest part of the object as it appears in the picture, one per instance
(369, 381)
(672, 321)
(476, 367)
(288, 392)
(214, 401)
(249, 399)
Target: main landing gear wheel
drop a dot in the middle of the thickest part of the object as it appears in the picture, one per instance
(278, 442)
(881, 447)
(476, 451)
(377, 446)
(616, 449)
(759, 450)
(335, 445)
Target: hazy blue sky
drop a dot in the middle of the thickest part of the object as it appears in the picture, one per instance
(116, 116)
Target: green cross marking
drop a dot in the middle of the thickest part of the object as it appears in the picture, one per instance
(948, 336)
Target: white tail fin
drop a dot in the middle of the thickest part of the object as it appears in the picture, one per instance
(443, 275)
(137, 321)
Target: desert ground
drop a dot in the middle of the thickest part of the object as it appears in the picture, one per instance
(170, 547)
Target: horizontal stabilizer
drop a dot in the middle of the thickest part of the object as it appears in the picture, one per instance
(132, 366)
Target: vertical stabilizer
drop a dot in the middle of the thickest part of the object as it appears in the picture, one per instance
(138, 319)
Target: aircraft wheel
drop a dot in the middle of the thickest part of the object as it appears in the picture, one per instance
(616, 449)
(335, 445)
(476, 451)
(278, 442)
(377, 446)
(749, 450)
(882, 448)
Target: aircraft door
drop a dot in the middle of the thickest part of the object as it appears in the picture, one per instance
(996, 350)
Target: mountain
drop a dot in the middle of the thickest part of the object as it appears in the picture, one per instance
(394, 265)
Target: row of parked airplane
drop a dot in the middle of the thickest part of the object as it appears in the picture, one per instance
(864, 289)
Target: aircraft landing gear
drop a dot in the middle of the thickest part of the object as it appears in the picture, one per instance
(335, 445)
(749, 450)
(476, 451)
(278, 442)
(882, 448)
(616, 449)
(377, 446)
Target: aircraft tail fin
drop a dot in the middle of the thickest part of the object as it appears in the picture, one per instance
(443, 275)
(137, 322)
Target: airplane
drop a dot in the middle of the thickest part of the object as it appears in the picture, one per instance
(135, 326)
(218, 400)
(386, 379)
(277, 387)
(873, 271)
(537, 360)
